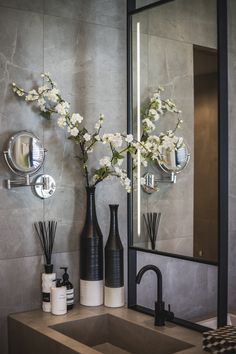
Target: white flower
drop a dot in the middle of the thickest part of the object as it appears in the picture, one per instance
(129, 138)
(62, 108)
(97, 125)
(144, 163)
(149, 125)
(142, 181)
(168, 142)
(97, 137)
(118, 170)
(74, 131)
(126, 182)
(19, 92)
(156, 95)
(52, 96)
(46, 74)
(119, 162)
(32, 95)
(180, 142)
(114, 139)
(105, 161)
(41, 89)
(76, 117)
(153, 113)
(41, 104)
(87, 137)
(170, 133)
(61, 122)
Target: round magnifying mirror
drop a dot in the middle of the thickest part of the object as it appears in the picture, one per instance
(25, 153)
(174, 160)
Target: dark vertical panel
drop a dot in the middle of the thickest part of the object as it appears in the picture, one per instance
(131, 254)
(131, 5)
(223, 164)
(205, 154)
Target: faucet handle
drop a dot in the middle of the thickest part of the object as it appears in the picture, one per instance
(170, 314)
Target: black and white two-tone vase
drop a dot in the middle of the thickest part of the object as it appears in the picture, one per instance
(114, 263)
(91, 256)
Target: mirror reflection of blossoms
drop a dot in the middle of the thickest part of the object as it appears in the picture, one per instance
(49, 101)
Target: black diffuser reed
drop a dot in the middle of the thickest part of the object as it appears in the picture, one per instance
(46, 231)
(152, 222)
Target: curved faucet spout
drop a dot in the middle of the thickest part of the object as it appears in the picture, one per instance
(159, 278)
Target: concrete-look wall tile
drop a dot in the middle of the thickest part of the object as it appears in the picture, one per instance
(91, 67)
(27, 5)
(188, 299)
(193, 22)
(231, 26)
(104, 12)
(21, 62)
(21, 283)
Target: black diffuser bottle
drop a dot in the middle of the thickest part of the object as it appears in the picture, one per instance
(91, 256)
(114, 263)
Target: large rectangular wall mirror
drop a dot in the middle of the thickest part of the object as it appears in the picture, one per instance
(178, 214)
(174, 46)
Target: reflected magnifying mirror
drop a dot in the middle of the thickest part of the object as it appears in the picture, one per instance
(174, 160)
(25, 156)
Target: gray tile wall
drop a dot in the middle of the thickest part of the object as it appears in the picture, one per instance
(83, 45)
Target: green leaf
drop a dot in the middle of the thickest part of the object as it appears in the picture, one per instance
(132, 149)
(46, 115)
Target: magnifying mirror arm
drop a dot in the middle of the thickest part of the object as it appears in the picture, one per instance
(171, 178)
(20, 182)
(25, 182)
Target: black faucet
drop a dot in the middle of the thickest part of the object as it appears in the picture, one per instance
(161, 315)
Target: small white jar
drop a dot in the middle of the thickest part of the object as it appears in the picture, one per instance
(48, 282)
(59, 305)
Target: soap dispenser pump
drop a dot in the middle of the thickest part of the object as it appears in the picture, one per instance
(59, 299)
(69, 289)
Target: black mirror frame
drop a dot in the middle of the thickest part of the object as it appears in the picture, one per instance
(222, 293)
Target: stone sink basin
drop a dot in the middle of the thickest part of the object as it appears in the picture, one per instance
(110, 334)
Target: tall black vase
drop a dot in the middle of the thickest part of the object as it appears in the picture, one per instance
(114, 263)
(91, 256)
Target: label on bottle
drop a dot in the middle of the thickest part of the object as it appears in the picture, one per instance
(70, 296)
(46, 297)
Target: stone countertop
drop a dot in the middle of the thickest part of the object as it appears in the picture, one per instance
(41, 322)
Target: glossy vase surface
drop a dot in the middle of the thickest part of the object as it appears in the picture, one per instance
(91, 256)
(114, 263)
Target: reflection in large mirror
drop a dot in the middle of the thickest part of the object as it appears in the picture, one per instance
(174, 46)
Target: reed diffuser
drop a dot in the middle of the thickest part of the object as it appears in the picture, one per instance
(46, 231)
(152, 222)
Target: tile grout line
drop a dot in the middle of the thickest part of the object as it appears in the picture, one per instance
(63, 17)
(37, 255)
